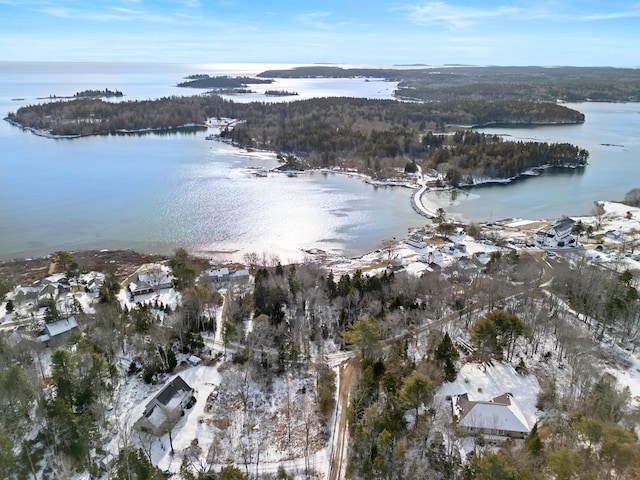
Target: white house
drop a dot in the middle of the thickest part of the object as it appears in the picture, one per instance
(224, 275)
(416, 241)
(614, 235)
(499, 416)
(240, 275)
(218, 274)
(558, 235)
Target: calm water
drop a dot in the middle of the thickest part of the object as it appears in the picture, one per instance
(611, 133)
(154, 193)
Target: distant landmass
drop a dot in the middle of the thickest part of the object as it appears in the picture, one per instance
(106, 93)
(536, 84)
(205, 81)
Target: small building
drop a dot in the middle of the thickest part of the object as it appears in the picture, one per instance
(164, 410)
(194, 361)
(558, 235)
(614, 235)
(499, 416)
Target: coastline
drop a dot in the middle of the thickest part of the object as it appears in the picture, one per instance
(46, 134)
(618, 217)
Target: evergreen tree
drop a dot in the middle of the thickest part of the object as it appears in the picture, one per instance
(532, 443)
(417, 390)
(5, 287)
(182, 269)
(8, 466)
(51, 311)
(363, 335)
(133, 464)
(109, 289)
(446, 354)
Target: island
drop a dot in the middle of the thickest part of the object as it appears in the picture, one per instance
(222, 82)
(280, 93)
(375, 137)
(106, 93)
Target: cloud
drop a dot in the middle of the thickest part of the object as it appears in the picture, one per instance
(455, 17)
(316, 20)
(118, 14)
(629, 13)
(114, 14)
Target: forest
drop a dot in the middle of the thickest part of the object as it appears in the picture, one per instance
(549, 323)
(205, 81)
(537, 84)
(377, 137)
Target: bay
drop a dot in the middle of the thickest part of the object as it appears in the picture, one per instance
(156, 192)
(611, 133)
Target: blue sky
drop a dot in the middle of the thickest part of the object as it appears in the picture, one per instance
(502, 32)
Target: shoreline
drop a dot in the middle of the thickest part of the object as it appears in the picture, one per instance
(125, 260)
(418, 201)
(47, 134)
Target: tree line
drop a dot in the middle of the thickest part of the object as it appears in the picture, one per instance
(538, 84)
(402, 329)
(375, 136)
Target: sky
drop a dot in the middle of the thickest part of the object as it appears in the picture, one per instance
(361, 32)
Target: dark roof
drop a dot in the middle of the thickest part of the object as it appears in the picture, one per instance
(564, 223)
(171, 389)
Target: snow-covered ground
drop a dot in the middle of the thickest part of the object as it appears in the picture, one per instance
(482, 381)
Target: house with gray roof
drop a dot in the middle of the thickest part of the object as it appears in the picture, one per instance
(499, 416)
(165, 408)
(558, 235)
(56, 331)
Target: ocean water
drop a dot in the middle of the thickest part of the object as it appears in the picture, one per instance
(154, 193)
(157, 192)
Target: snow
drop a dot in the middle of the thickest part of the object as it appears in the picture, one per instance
(483, 382)
(167, 296)
(495, 416)
(132, 399)
(61, 326)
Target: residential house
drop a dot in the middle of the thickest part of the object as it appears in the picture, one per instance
(614, 235)
(225, 275)
(149, 279)
(218, 274)
(416, 241)
(241, 275)
(558, 235)
(90, 282)
(497, 417)
(55, 332)
(164, 410)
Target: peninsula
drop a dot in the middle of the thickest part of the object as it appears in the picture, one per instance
(375, 137)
